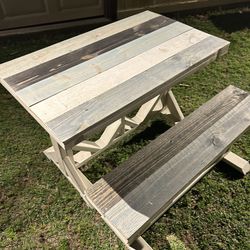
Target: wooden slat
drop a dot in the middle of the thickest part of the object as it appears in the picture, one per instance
(33, 59)
(86, 90)
(100, 111)
(44, 70)
(44, 89)
(133, 195)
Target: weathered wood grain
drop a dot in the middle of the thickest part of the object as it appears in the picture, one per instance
(43, 89)
(68, 60)
(46, 54)
(100, 111)
(86, 90)
(133, 195)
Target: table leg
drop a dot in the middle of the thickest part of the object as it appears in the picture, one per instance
(65, 162)
(170, 107)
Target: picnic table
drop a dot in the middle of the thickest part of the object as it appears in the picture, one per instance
(90, 84)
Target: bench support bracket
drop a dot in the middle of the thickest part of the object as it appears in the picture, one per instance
(237, 162)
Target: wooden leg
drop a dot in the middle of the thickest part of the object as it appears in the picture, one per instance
(140, 244)
(56, 157)
(237, 162)
(171, 107)
(65, 162)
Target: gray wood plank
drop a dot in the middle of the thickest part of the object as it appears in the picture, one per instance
(98, 112)
(44, 70)
(132, 196)
(43, 89)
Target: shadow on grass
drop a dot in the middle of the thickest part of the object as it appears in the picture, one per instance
(156, 128)
(232, 22)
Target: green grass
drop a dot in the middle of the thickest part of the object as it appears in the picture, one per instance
(39, 209)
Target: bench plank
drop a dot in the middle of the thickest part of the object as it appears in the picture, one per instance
(137, 192)
(100, 111)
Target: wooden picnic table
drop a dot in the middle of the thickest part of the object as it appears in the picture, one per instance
(80, 85)
(91, 82)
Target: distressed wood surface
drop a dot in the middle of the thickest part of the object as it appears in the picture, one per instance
(100, 111)
(137, 192)
(43, 89)
(58, 85)
(44, 70)
(95, 86)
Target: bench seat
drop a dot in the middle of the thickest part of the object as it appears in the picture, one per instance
(137, 192)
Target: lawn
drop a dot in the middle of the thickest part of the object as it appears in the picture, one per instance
(39, 209)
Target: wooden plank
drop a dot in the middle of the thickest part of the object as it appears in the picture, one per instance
(237, 162)
(44, 70)
(33, 59)
(86, 90)
(44, 89)
(89, 117)
(138, 191)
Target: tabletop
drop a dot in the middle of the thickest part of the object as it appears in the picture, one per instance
(80, 85)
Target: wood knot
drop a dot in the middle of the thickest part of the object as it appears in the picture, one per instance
(216, 140)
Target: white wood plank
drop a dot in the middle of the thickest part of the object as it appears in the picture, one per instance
(72, 76)
(84, 91)
(25, 62)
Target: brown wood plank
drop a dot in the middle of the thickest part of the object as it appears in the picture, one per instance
(133, 195)
(61, 63)
(100, 111)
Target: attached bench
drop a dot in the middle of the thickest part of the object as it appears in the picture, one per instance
(140, 190)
